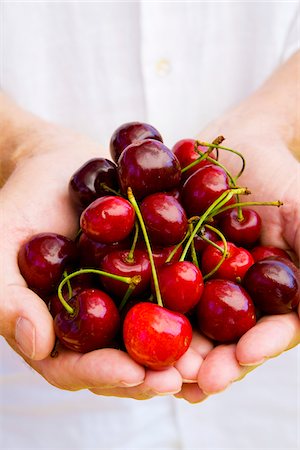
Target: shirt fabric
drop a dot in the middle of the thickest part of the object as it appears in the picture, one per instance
(92, 66)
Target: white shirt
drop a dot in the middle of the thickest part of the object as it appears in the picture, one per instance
(177, 65)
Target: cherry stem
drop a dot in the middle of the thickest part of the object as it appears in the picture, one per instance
(109, 189)
(219, 202)
(277, 203)
(70, 292)
(126, 296)
(223, 251)
(214, 145)
(175, 249)
(193, 250)
(130, 258)
(133, 201)
(133, 281)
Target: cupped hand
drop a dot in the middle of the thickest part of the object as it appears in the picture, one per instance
(35, 199)
(272, 173)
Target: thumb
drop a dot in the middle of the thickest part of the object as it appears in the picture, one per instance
(26, 322)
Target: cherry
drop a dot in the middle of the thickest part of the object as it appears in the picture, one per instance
(225, 311)
(129, 133)
(235, 265)
(82, 183)
(181, 285)
(147, 167)
(200, 244)
(274, 285)
(161, 254)
(165, 219)
(91, 252)
(202, 188)
(93, 324)
(43, 258)
(119, 263)
(154, 336)
(244, 231)
(186, 154)
(108, 219)
(264, 251)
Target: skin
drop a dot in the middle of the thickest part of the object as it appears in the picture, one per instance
(37, 160)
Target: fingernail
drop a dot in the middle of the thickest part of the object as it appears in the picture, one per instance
(25, 336)
(124, 384)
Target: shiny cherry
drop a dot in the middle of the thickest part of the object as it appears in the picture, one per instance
(93, 324)
(274, 285)
(181, 285)
(129, 133)
(165, 219)
(82, 189)
(186, 154)
(200, 244)
(117, 263)
(91, 252)
(108, 219)
(43, 258)
(243, 232)
(225, 311)
(148, 167)
(235, 265)
(154, 336)
(202, 188)
(265, 251)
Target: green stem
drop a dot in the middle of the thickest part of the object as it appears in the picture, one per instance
(133, 201)
(129, 280)
(219, 202)
(277, 203)
(223, 251)
(131, 252)
(193, 250)
(126, 296)
(175, 249)
(70, 292)
(109, 189)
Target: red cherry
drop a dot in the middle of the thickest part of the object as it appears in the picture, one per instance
(154, 336)
(200, 244)
(160, 254)
(225, 311)
(274, 285)
(129, 133)
(43, 259)
(108, 219)
(242, 232)
(235, 265)
(93, 325)
(264, 251)
(165, 219)
(202, 188)
(186, 154)
(148, 167)
(181, 285)
(91, 252)
(117, 263)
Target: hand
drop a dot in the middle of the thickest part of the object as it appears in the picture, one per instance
(35, 199)
(271, 174)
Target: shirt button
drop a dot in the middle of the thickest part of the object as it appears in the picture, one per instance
(163, 67)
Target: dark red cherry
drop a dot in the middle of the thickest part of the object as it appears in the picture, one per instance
(129, 133)
(200, 244)
(148, 167)
(107, 177)
(202, 188)
(235, 265)
(43, 258)
(93, 325)
(117, 263)
(243, 232)
(154, 336)
(265, 251)
(181, 285)
(91, 252)
(186, 154)
(82, 184)
(274, 285)
(108, 219)
(225, 311)
(165, 219)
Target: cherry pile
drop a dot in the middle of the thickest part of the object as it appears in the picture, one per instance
(167, 242)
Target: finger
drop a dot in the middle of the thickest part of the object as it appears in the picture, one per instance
(191, 393)
(271, 336)
(189, 365)
(219, 369)
(156, 383)
(201, 344)
(103, 368)
(26, 322)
